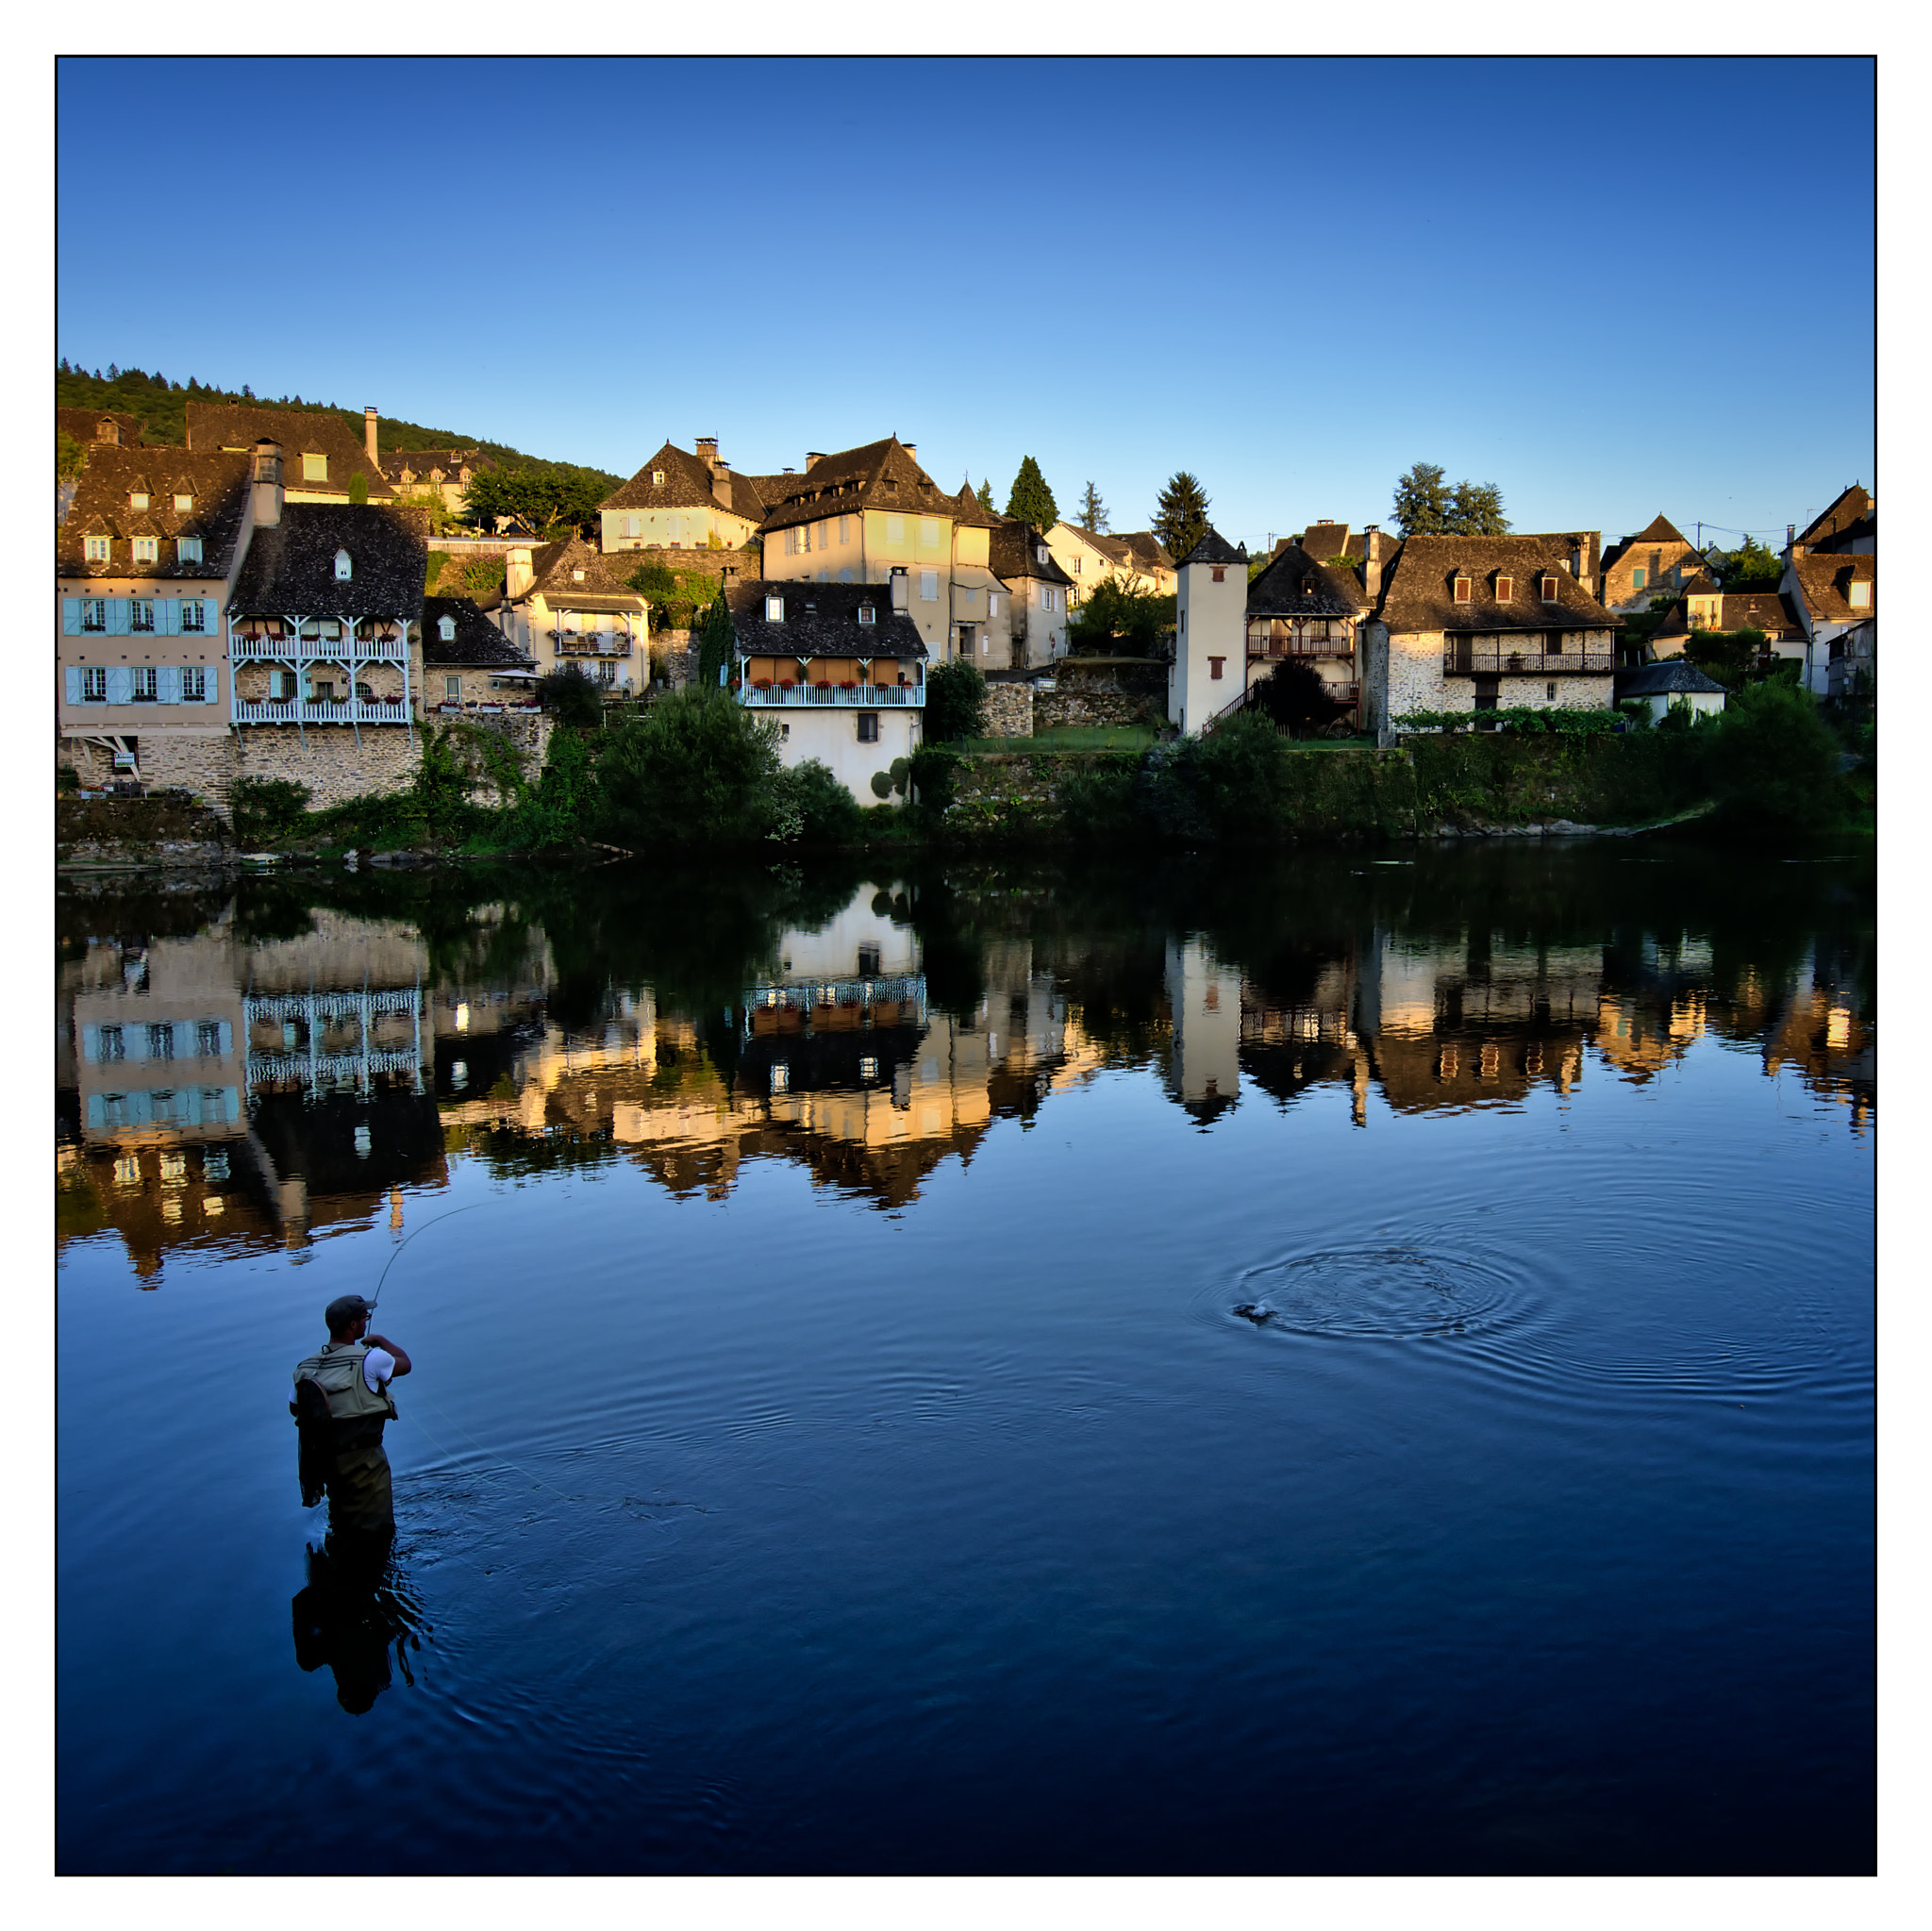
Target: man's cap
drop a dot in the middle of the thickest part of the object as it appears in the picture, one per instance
(345, 1308)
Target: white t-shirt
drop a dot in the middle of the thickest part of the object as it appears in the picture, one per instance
(378, 1364)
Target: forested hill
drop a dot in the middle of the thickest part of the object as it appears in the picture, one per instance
(161, 407)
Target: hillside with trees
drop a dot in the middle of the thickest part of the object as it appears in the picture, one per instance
(161, 407)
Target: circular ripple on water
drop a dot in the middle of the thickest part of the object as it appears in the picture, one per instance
(1392, 1292)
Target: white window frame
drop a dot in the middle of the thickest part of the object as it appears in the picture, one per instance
(137, 499)
(1550, 589)
(94, 616)
(314, 466)
(188, 549)
(141, 615)
(147, 549)
(183, 501)
(452, 689)
(194, 619)
(147, 686)
(94, 684)
(868, 613)
(775, 610)
(98, 549)
(446, 627)
(345, 567)
(194, 683)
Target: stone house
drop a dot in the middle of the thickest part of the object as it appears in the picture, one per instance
(682, 501)
(323, 615)
(565, 604)
(1304, 610)
(321, 458)
(1848, 528)
(1832, 595)
(444, 473)
(855, 516)
(144, 567)
(1481, 624)
(1656, 562)
(469, 667)
(1705, 607)
(1036, 591)
(1672, 685)
(839, 667)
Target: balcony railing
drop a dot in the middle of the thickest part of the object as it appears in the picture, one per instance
(861, 697)
(380, 650)
(1513, 663)
(288, 711)
(1301, 647)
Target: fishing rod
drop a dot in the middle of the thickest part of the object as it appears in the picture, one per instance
(423, 1229)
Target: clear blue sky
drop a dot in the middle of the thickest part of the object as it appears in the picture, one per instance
(1610, 287)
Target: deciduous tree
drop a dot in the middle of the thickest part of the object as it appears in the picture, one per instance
(1091, 515)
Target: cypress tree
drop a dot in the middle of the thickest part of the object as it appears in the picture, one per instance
(1031, 501)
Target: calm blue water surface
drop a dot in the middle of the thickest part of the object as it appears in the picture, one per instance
(1322, 1366)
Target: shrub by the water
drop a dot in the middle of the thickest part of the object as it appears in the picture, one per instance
(266, 809)
(811, 807)
(1773, 761)
(571, 696)
(954, 702)
(698, 768)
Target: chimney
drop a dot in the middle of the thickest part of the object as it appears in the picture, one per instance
(266, 501)
(812, 456)
(911, 449)
(707, 452)
(899, 602)
(721, 482)
(1792, 546)
(1373, 541)
(369, 436)
(517, 574)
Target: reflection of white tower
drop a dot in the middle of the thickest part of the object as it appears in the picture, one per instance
(1205, 998)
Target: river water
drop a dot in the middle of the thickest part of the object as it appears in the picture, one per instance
(1323, 1365)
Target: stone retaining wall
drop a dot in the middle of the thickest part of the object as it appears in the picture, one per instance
(1010, 710)
(1084, 707)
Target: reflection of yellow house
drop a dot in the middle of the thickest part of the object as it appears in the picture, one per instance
(1641, 1038)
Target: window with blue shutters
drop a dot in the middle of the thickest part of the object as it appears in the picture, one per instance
(192, 617)
(93, 613)
(168, 684)
(119, 685)
(193, 684)
(141, 613)
(146, 684)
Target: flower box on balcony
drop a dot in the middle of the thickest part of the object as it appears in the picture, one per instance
(849, 685)
(785, 683)
(761, 683)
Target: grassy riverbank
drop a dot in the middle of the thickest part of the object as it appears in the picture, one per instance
(698, 772)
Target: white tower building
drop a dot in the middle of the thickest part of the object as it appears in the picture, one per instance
(1210, 658)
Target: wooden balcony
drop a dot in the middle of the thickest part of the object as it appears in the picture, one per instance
(1527, 661)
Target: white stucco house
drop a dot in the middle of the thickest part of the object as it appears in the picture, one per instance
(839, 667)
(1674, 684)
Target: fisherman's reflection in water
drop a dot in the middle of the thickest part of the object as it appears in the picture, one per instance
(356, 1609)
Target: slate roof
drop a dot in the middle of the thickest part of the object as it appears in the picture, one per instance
(1014, 551)
(1853, 514)
(422, 463)
(1322, 540)
(1298, 584)
(1656, 680)
(876, 475)
(1660, 529)
(1825, 583)
(821, 620)
(1768, 610)
(84, 426)
(1146, 551)
(291, 569)
(554, 567)
(1213, 548)
(101, 507)
(300, 432)
(477, 640)
(686, 485)
(970, 512)
(1418, 586)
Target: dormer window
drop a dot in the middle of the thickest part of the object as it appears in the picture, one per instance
(657, 479)
(1462, 588)
(1549, 590)
(345, 568)
(446, 628)
(97, 549)
(1506, 589)
(775, 610)
(1860, 597)
(146, 549)
(866, 614)
(137, 499)
(188, 549)
(577, 576)
(184, 500)
(314, 467)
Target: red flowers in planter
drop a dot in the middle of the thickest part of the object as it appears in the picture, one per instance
(848, 685)
(761, 683)
(785, 683)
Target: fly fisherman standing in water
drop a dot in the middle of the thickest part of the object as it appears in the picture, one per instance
(341, 1402)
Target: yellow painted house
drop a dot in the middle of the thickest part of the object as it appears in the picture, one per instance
(682, 501)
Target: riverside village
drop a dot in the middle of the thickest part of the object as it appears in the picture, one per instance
(282, 615)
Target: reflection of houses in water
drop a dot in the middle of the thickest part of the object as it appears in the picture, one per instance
(835, 1059)
(228, 1090)
(1824, 1038)
(1203, 999)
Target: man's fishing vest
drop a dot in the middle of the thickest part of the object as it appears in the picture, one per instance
(338, 1372)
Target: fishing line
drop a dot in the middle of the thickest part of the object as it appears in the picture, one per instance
(417, 1400)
